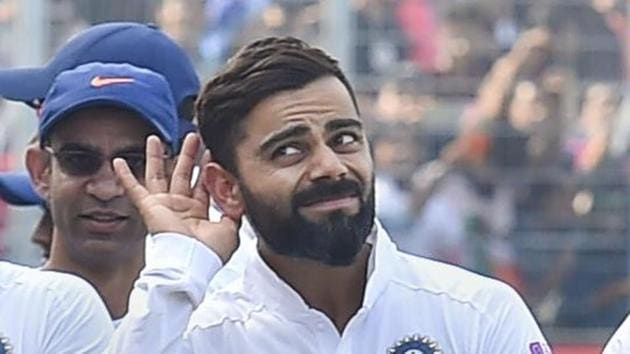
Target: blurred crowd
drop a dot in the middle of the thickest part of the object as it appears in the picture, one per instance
(527, 180)
(500, 128)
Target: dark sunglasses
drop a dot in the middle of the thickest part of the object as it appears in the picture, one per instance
(83, 163)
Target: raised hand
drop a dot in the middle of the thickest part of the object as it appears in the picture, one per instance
(177, 207)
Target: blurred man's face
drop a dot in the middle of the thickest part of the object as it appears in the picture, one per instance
(306, 174)
(94, 220)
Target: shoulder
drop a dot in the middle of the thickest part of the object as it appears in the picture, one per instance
(69, 314)
(504, 322)
(37, 278)
(620, 340)
(65, 286)
(31, 284)
(455, 284)
(10, 274)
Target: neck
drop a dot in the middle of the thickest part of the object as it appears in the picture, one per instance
(336, 291)
(113, 282)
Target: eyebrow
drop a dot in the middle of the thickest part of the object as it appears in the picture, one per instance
(343, 123)
(290, 132)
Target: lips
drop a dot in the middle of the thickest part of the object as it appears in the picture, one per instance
(350, 204)
(103, 221)
(327, 199)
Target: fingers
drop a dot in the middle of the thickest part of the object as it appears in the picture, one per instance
(133, 188)
(182, 174)
(199, 192)
(155, 177)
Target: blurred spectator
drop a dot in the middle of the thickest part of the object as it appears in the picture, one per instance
(467, 48)
(620, 140)
(586, 42)
(299, 19)
(224, 19)
(419, 21)
(400, 101)
(618, 21)
(95, 12)
(380, 44)
(396, 154)
(184, 21)
(591, 135)
(468, 212)
(506, 28)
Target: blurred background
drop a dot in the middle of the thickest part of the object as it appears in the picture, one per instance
(500, 128)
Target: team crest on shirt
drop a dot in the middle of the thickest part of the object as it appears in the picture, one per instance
(539, 348)
(415, 344)
(5, 346)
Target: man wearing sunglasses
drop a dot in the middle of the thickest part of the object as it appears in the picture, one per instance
(116, 42)
(142, 45)
(91, 115)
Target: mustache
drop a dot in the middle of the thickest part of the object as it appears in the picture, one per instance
(327, 190)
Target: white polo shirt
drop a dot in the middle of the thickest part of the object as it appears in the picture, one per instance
(619, 343)
(235, 267)
(50, 312)
(409, 303)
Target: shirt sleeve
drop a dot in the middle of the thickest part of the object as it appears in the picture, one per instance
(173, 283)
(77, 321)
(514, 330)
(620, 341)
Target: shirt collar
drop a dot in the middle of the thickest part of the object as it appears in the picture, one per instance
(264, 285)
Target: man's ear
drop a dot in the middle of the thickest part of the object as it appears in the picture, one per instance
(38, 166)
(224, 189)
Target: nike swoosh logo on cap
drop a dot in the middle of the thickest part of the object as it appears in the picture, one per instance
(99, 81)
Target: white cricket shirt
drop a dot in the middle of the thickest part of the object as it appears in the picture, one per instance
(409, 303)
(619, 343)
(45, 312)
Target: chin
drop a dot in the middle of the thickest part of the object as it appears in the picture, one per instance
(101, 246)
(111, 247)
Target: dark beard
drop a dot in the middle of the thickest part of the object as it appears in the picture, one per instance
(335, 241)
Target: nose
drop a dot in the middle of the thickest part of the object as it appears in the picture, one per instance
(104, 185)
(326, 164)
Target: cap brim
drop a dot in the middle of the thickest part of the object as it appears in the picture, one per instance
(115, 101)
(16, 189)
(24, 84)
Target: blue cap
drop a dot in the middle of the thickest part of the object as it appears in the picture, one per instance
(16, 189)
(120, 85)
(140, 45)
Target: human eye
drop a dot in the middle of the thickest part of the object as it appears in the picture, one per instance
(134, 160)
(287, 150)
(288, 154)
(77, 158)
(79, 163)
(136, 163)
(346, 141)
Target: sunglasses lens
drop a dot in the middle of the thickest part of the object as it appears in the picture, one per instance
(136, 163)
(78, 163)
(85, 163)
